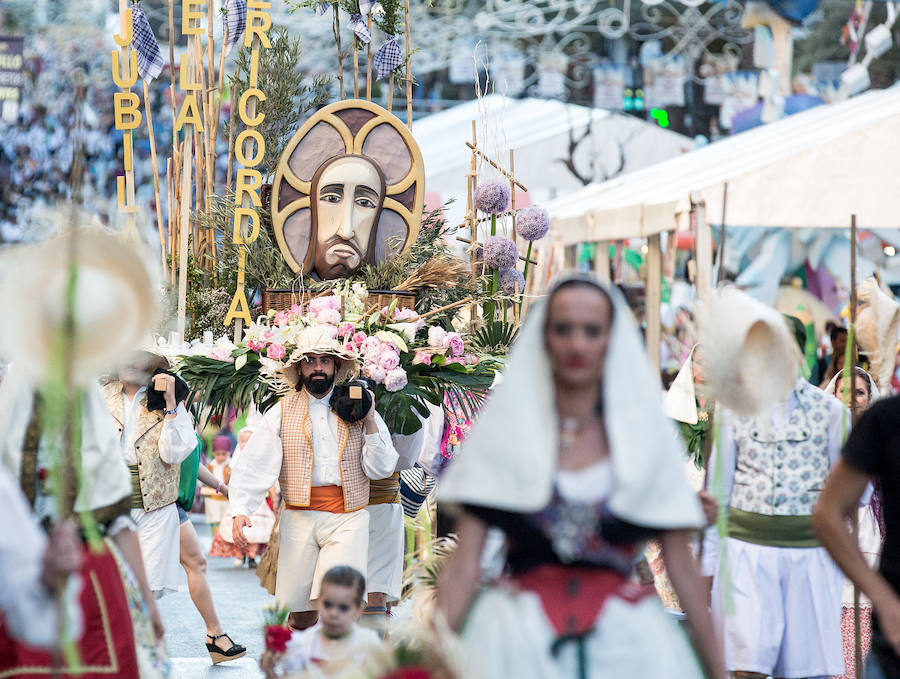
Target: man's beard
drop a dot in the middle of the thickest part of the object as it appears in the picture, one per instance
(341, 267)
(318, 384)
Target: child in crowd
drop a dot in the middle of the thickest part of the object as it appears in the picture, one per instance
(216, 503)
(336, 641)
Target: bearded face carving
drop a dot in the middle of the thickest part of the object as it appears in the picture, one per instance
(348, 191)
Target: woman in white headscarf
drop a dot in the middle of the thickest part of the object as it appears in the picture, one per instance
(864, 392)
(574, 460)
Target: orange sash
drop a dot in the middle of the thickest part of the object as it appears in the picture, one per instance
(324, 499)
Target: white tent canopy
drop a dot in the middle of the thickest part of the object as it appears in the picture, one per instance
(812, 169)
(539, 131)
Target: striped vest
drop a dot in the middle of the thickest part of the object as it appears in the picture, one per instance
(298, 456)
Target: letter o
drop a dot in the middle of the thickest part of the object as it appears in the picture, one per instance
(243, 138)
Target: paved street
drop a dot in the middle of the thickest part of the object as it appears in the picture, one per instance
(239, 601)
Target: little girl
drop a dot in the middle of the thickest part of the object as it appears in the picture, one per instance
(336, 641)
(215, 502)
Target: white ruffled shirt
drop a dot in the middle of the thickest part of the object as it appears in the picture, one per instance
(259, 465)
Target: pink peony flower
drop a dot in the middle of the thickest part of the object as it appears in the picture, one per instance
(359, 337)
(318, 304)
(330, 331)
(532, 223)
(456, 344)
(377, 374)
(281, 319)
(346, 330)
(330, 316)
(492, 197)
(396, 379)
(500, 252)
(389, 360)
(436, 336)
(276, 351)
(371, 345)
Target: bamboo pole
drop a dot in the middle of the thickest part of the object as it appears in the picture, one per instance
(172, 79)
(336, 27)
(369, 60)
(159, 220)
(185, 219)
(355, 67)
(390, 96)
(481, 154)
(231, 116)
(409, 120)
(169, 194)
(512, 192)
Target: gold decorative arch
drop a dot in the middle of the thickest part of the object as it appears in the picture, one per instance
(356, 127)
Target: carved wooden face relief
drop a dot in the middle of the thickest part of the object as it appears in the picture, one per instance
(349, 190)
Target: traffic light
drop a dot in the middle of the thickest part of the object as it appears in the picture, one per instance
(628, 100)
(661, 116)
(639, 99)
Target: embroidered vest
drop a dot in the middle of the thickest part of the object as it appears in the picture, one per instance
(157, 480)
(781, 470)
(298, 456)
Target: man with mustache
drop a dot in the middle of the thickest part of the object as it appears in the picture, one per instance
(323, 464)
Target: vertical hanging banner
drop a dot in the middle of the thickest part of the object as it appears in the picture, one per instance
(249, 149)
(12, 77)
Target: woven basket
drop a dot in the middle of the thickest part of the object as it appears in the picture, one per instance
(283, 299)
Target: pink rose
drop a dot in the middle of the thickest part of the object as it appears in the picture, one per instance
(276, 351)
(359, 337)
(351, 347)
(389, 360)
(405, 314)
(346, 330)
(377, 374)
(395, 380)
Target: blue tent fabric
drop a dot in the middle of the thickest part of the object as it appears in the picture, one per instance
(793, 10)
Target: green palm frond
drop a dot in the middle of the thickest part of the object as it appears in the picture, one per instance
(495, 338)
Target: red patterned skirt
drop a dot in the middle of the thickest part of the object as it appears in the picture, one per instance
(223, 548)
(107, 647)
(849, 638)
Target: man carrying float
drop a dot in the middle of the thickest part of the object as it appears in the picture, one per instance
(323, 463)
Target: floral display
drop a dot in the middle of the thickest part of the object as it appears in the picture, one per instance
(492, 197)
(407, 361)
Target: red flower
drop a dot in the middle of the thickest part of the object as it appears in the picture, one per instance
(409, 673)
(277, 638)
(42, 474)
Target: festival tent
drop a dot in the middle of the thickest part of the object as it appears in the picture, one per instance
(810, 170)
(540, 133)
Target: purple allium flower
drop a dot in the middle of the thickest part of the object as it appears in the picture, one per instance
(509, 279)
(500, 252)
(492, 197)
(532, 223)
